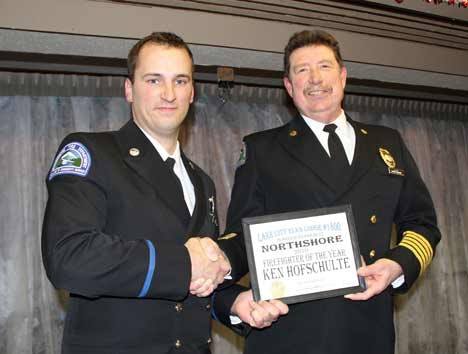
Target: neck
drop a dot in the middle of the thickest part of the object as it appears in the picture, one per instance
(325, 117)
(168, 143)
(168, 140)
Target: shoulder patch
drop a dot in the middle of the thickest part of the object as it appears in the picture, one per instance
(73, 159)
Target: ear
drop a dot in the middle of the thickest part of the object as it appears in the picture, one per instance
(128, 90)
(193, 93)
(288, 85)
(343, 75)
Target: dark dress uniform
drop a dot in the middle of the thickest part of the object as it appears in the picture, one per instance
(287, 169)
(113, 236)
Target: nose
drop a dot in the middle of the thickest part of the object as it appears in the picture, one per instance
(315, 76)
(168, 93)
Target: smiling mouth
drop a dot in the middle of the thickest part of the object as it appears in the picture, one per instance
(317, 91)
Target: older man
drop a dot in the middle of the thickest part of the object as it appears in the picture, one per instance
(322, 158)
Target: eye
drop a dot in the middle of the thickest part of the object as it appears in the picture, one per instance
(154, 81)
(301, 70)
(181, 82)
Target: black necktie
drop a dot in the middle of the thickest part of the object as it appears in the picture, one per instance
(337, 153)
(170, 162)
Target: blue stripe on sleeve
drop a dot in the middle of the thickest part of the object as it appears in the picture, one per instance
(151, 265)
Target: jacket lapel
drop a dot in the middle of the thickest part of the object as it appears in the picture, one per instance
(299, 140)
(141, 156)
(364, 152)
(199, 211)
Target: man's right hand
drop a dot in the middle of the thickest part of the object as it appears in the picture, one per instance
(209, 265)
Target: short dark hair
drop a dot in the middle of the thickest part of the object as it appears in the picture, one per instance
(310, 38)
(158, 38)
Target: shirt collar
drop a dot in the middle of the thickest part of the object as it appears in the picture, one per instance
(160, 149)
(317, 126)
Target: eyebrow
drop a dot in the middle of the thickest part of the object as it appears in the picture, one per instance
(178, 76)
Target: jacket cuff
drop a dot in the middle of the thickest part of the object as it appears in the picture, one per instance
(172, 272)
(221, 309)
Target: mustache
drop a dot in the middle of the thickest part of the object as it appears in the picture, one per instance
(312, 90)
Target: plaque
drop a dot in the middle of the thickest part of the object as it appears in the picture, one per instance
(304, 255)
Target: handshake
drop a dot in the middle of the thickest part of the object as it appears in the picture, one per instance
(209, 269)
(209, 265)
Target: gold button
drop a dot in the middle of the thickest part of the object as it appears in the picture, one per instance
(293, 133)
(134, 152)
(178, 343)
(363, 131)
(372, 253)
(179, 307)
(208, 306)
(209, 340)
(373, 219)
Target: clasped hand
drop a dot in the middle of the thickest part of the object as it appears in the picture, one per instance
(258, 314)
(209, 265)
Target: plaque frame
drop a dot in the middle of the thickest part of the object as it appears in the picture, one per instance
(344, 212)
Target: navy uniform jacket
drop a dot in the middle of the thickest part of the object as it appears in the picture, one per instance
(114, 235)
(287, 169)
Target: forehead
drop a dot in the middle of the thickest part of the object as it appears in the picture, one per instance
(162, 58)
(311, 53)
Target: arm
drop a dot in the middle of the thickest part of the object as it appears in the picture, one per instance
(247, 199)
(416, 224)
(417, 233)
(82, 257)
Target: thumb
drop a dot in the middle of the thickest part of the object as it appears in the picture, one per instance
(210, 248)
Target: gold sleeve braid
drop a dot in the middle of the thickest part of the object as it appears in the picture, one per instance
(419, 246)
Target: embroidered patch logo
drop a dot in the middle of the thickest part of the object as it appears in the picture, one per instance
(73, 159)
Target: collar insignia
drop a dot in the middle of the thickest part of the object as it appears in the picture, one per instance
(387, 158)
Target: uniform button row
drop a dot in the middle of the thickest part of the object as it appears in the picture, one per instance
(179, 307)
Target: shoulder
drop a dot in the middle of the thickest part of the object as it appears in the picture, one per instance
(377, 131)
(264, 135)
(78, 152)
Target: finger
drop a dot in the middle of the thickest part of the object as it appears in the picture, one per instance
(203, 288)
(258, 314)
(196, 284)
(281, 306)
(365, 295)
(210, 248)
(219, 278)
(272, 312)
(264, 313)
(207, 292)
(367, 271)
(224, 264)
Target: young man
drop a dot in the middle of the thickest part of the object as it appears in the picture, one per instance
(122, 209)
(322, 158)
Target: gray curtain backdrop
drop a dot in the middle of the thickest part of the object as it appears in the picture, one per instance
(38, 110)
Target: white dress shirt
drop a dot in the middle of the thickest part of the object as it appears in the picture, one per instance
(179, 170)
(344, 130)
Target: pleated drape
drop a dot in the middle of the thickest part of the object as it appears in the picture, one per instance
(37, 111)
